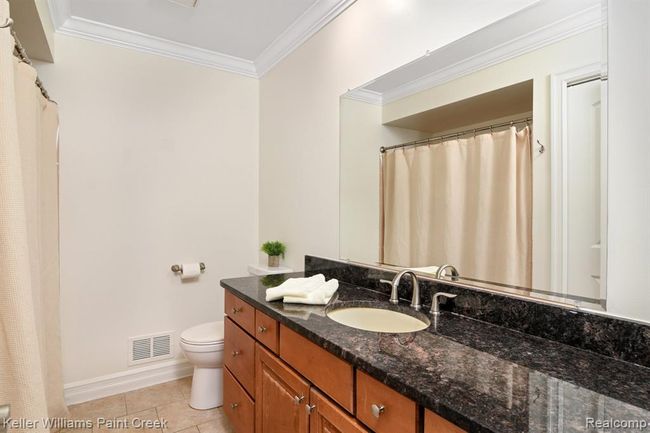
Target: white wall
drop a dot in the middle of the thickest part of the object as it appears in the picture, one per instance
(159, 165)
(628, 266)
(362, 134)
(359, 179)
(299, 106)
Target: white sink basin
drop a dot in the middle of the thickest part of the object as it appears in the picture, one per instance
(377, 320)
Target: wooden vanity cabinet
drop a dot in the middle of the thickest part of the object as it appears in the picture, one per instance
(282, 396)
(277, 381)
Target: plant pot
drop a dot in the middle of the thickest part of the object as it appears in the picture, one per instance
(274, 261)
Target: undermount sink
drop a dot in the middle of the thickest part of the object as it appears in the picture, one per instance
(378, 319)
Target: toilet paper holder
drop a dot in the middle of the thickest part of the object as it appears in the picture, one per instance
(179, 268)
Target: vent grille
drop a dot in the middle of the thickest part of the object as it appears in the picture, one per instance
(162, 345)
(141, 349)
(149, 348)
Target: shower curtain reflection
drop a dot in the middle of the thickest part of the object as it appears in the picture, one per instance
(467, 202)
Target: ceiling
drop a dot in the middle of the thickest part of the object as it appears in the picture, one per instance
(243, 36)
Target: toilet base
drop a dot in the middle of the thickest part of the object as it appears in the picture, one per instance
(207, 388)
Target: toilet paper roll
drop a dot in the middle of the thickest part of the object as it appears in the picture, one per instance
(190, 270)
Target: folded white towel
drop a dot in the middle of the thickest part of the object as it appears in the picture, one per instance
(320, 296)
(296, 287)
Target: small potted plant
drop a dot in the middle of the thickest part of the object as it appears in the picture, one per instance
(274, 249)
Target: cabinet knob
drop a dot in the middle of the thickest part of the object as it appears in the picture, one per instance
(236, 310)
(236, 353)
(234, 405)
(298, 399)
(377, 409)
(262, 329)
(310, 408)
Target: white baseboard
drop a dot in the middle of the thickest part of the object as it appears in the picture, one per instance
(129, 380)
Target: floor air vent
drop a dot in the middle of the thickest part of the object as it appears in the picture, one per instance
(148, 348)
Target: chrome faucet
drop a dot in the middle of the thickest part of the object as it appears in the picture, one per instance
(441, 271)
(415, 301)
(435, 302)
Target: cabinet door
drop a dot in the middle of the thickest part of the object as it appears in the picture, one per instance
(326, 417)
(280, 396)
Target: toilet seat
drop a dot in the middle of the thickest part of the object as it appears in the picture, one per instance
(206, 334)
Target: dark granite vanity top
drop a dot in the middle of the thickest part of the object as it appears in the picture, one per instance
(482, 377)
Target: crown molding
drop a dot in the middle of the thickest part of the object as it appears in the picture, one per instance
(119, 37)
(570, 26)
(311, 21)
(364, 95)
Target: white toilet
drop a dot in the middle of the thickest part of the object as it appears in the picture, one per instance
(203, 347)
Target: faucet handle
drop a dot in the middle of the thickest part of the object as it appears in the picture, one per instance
(386, 282)
(435, 304)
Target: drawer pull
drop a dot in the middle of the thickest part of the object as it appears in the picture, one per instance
(377, 409)
(236, 353)
(310, 408)
(298, 399)
(236, 310)
(234, 405)
(262, 329)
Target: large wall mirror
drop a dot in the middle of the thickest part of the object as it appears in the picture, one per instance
(488, 154)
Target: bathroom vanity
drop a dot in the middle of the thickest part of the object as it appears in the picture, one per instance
(278, 380)
(291, 368)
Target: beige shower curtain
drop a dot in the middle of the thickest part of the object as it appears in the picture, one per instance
(30, 358)
(465, 202)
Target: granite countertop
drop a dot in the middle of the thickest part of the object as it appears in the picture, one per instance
(480, 376)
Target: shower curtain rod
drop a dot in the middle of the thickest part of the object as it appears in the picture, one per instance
(455, 134)
(22, 55)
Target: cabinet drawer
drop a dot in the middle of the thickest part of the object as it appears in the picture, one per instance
(434, 423)
(240, 312)
(266, 331)
(237, 405)
(239, 355)
(392, 411)
(326, 417)
(331, 374)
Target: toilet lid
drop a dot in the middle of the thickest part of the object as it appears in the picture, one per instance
(207, 333)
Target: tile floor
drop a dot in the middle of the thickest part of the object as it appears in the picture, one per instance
(167, 401)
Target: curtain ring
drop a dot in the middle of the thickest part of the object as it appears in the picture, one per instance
(8, 23)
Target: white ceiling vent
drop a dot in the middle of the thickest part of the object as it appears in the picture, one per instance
(187, 3)
(148, 348)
